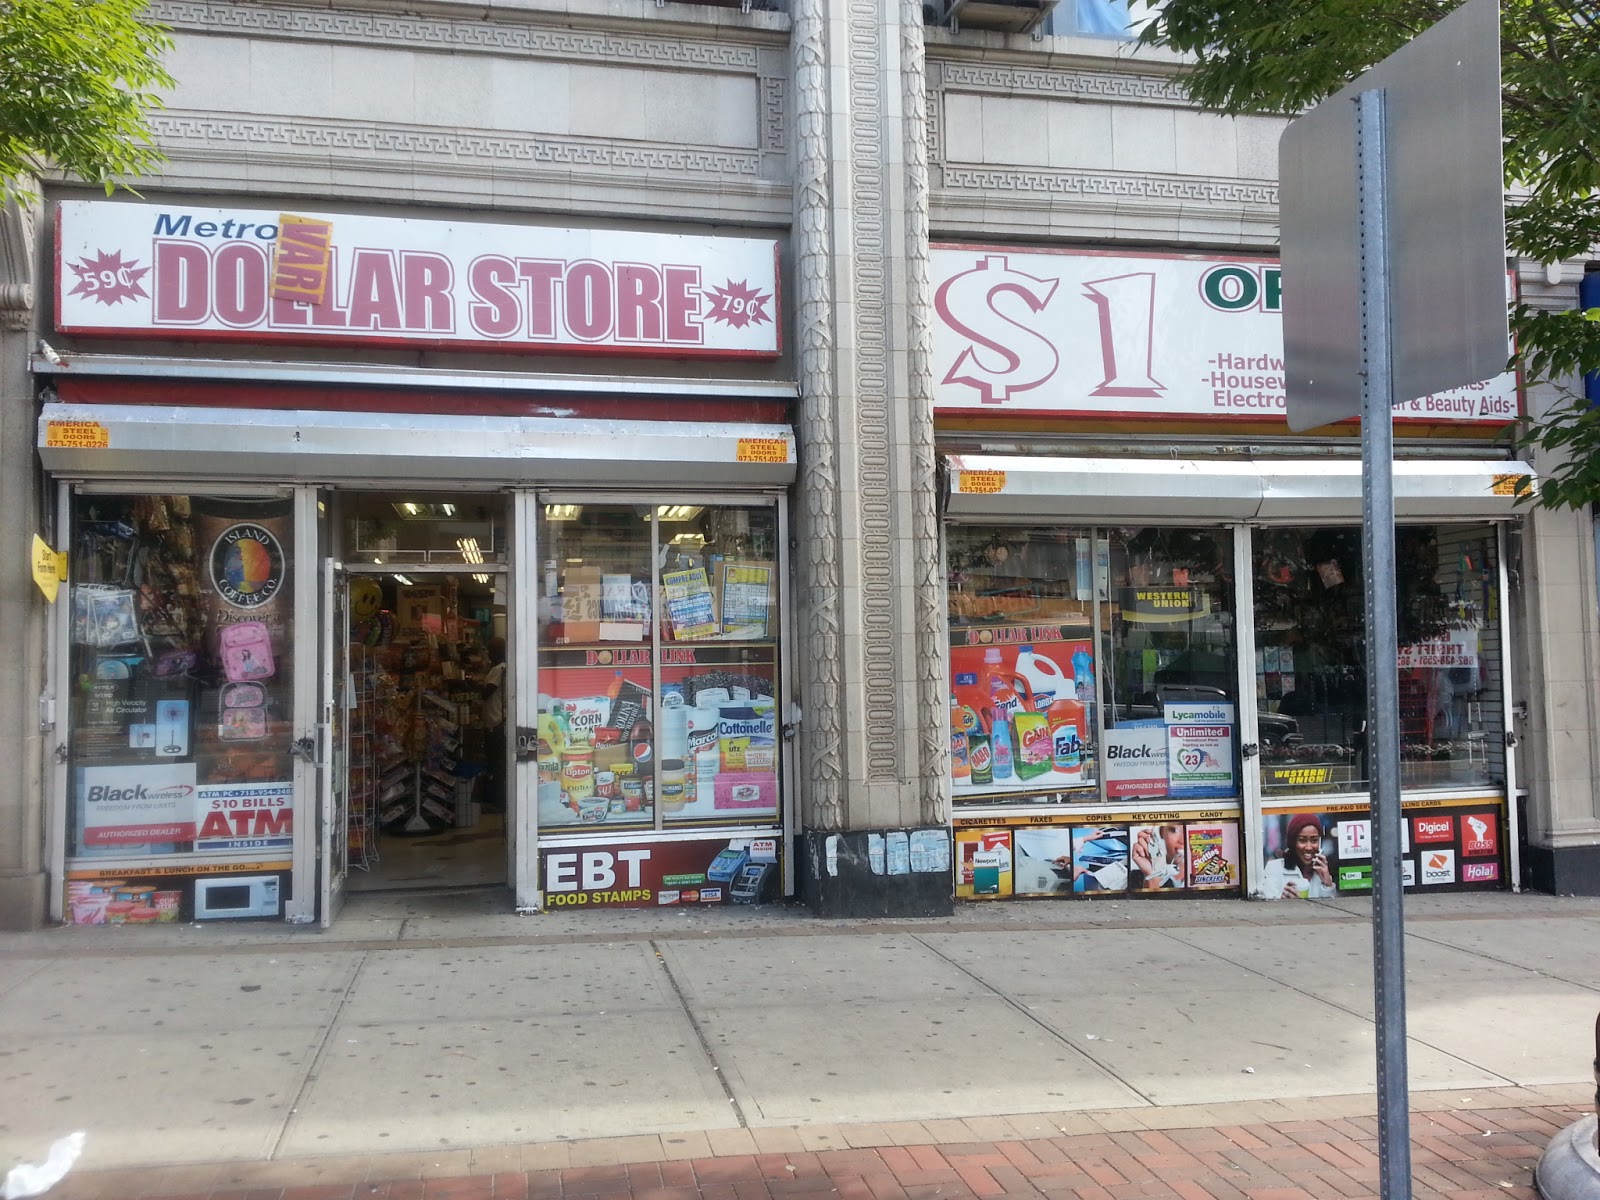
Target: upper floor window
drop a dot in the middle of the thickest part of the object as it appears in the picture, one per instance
(1094, 18)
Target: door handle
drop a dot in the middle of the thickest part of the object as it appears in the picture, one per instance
(1249, 750)
(305, 749)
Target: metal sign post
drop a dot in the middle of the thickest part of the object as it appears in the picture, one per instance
(1383, 654)
(1394, 287)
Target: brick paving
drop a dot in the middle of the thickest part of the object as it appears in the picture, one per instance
(1461, 1153)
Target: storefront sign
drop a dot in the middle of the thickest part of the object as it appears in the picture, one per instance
(246, 816)
(1082, 333)
(135, 805)
(1200, 760)
(653, 874)
(239, 275)
(762, 450)
(1453, 648)
(1435, 836)
(76, 435)
(49, 568)
(1136, 760)
(1150, 605)
(1479, 836)
(981, 483)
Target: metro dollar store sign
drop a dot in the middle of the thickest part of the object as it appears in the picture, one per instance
(241, 275)
(1089, 333)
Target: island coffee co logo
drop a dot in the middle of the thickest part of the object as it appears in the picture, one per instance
(246, 565)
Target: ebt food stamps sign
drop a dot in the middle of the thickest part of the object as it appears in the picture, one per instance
(260, 276)
(1080, 333)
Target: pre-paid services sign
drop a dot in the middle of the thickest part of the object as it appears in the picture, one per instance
(245, 275)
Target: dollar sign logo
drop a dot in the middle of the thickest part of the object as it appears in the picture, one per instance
(990, 305)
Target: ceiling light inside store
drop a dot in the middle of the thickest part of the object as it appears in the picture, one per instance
(470, 549)
(480, 579)
(689, 539)
(412, 510)
(562, 512)
(402, 579)
(679, 512)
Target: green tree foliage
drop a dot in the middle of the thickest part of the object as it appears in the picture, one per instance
(1281, 56)
(76, 78)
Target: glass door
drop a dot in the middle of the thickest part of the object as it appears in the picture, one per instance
(333, 750)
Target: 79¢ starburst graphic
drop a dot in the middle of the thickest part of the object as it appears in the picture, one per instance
(109, 279)
(738, 304)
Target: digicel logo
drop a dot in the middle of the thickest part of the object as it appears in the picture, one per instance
(1432, 829)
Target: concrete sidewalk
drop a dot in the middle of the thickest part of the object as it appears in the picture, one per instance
(435, 1027)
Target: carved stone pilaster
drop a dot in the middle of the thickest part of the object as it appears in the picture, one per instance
(873, 694)
(17, 223)
(822, 683)
(928, 585)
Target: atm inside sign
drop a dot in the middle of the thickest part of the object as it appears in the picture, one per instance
(77, 435)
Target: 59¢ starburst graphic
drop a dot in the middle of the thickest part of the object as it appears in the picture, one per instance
(109, 279)
(738, 304)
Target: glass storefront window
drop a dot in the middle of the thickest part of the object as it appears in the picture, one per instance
(1171, 664)
(658, 665)
(1311, 658)
(1022, 663)
(1027, 677)
(182, 673)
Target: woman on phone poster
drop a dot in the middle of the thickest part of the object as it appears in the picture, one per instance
(1302, 869)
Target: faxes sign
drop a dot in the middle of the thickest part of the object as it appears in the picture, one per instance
(1086, 333)
(246, 275)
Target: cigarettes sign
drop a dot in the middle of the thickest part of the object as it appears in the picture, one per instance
(243, 275)
(1083, 333)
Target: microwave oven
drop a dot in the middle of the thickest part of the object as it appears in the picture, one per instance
(220, 896)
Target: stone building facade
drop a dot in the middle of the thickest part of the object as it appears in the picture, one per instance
(863, 141)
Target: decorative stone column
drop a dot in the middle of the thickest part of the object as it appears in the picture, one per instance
(874, 739)
(22, 875)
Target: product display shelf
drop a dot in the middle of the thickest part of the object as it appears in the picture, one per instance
(362, 761)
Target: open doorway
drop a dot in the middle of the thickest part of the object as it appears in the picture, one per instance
(424, 709)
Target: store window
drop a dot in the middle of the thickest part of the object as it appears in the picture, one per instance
(658, 665)
(1026, 680)
(1311, 658)
(182, 645)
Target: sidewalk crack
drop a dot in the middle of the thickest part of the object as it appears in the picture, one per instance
(317, 1058)
(700, 1035)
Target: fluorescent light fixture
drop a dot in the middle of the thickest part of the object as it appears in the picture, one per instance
(679, 512)
(575, 561)
(480, 579)
(562, 512)
(411, 509)
(402, 579)
(376, 561)
(470, 550)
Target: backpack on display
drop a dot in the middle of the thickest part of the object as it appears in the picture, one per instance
(246, 650)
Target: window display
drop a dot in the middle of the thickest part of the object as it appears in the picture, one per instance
(657, 665)
(1027, 608)
(1311, 658)
(181, 632)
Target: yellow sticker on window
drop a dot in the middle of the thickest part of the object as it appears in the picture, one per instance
(76, 435)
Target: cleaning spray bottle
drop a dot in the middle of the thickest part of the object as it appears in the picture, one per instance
(960, 755)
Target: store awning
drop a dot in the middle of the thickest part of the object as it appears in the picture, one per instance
(1018, 487)
(135, 441)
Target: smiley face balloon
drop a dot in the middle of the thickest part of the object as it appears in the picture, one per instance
(366, 598)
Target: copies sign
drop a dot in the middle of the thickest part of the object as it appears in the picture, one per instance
(1093, 334)
(264, 276)
(135, 805)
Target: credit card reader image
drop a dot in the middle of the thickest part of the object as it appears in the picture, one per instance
(756, 883)
(726, 866)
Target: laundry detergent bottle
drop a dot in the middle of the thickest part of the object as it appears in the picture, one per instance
(1066, 737)
(1045, 679)
(1006, 690)
(1001, 746)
